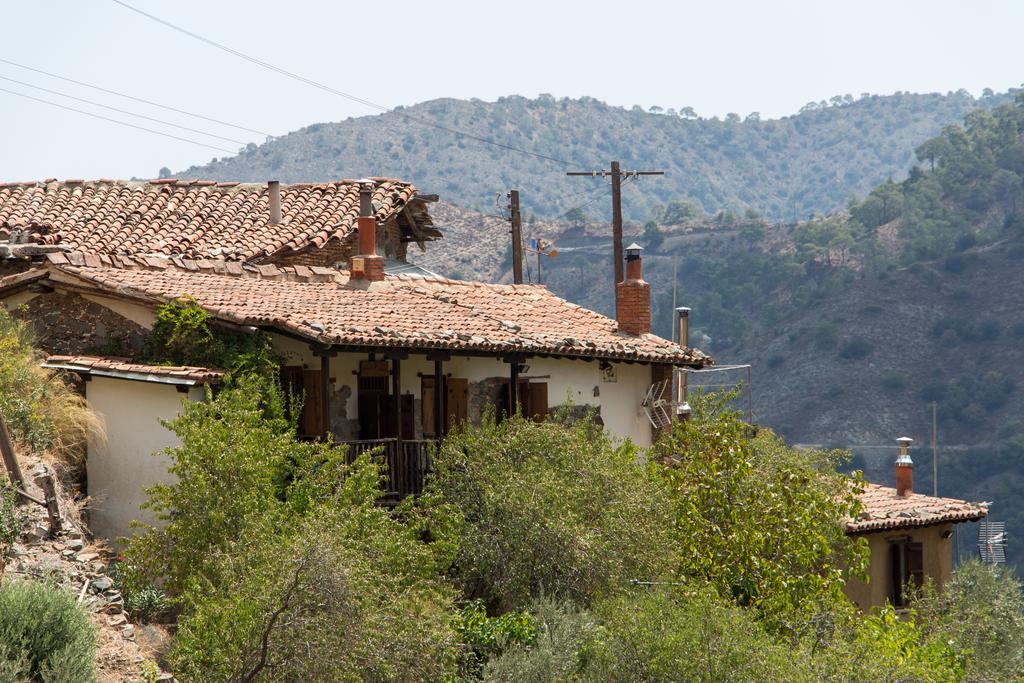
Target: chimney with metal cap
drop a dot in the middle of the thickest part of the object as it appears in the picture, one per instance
(904, 468)
(274, 201)
(633, 296)
(367, 265)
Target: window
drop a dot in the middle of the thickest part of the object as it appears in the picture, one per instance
(533, 399)
(906, 567)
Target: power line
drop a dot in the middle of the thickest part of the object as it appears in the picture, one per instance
(132, 97)
(121, 111)
(335, 91)
(123, 123)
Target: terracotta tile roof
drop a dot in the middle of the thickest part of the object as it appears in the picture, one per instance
(126, 368)
(884, 509)
(402, 311)
(193, 218)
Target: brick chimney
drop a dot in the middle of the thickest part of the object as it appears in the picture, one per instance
(367, 265)
(904, 468)
(274, 201)
(633, 296)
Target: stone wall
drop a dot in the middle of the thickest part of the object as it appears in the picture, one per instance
(68, 324)
(335, 252)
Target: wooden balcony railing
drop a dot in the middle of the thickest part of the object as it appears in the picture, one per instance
(407, 467)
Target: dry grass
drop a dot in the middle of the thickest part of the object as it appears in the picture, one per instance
(43, 411)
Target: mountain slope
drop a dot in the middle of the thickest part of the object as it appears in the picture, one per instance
(785, 168)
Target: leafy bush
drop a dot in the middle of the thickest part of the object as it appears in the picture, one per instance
(658, 635)
(488, 636)
(143, 600)
(980, 613)
(42, 412)
(757, 520)
(11, 521)
(825, 336)
(554, 655)
(856, 349)
(44, 635)
(279, 558)
(894, 382)
(549, 509)
(775, 360)
(183, 334)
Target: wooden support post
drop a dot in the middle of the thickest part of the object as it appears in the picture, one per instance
(396, 391)
(10, 460)
(325, 394)
(52, 506)
(439, 421)
(514, 387)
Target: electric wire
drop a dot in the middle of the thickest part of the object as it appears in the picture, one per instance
(132, 97)
(122, 111)
(123, 123)
(335, 91)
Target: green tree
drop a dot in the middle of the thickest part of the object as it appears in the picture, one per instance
(756, 519)
(653, 236)
(280, 560)
(549, 509)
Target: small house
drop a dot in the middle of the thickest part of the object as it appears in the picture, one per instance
(909, 535)
(386, 361)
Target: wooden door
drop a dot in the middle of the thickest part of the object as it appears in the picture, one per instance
(536, 407)
(427, 405)
(313, 419)
(457, 408)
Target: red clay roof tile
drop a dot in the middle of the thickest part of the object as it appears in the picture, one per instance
(885, 509)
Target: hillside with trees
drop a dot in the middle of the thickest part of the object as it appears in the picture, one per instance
(785, 169)
(857, 321)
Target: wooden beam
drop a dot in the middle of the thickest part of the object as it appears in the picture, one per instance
(396, 391)
(439, 421)
(513, 388)
(414, 227)
(325, 394)
(9, 458)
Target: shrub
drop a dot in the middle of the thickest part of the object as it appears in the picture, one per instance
(980, 613)
(554, 654)
(42, 412)
(757, 520)
(775, 360)
(894, 382)
(549, 509)
(488, 636)
(183, 334)
(658, 635)
(279, 558)
(44, 634)
(11, 521)
(144, 601)
(825, 336)
(856, 349)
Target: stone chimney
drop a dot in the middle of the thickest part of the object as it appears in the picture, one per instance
(274, 201)
(904, 468)
(633, 296)
(367, 265)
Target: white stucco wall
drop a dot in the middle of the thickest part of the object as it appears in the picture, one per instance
(575, 381)
(124, 463)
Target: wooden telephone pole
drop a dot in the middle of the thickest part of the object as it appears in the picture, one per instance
(517, 237)
(616, 175)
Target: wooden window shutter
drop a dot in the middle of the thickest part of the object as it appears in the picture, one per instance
(537, 401)
(915, 564)
(458, 400)
(312, 408)
(427, 405)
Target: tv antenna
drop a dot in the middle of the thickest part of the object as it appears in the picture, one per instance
(992, 542)
(541, 247)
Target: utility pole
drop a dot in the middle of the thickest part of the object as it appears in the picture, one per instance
(616, 175)
(517, 237)
(935, 456)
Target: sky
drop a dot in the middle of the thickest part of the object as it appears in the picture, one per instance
(740, 56)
